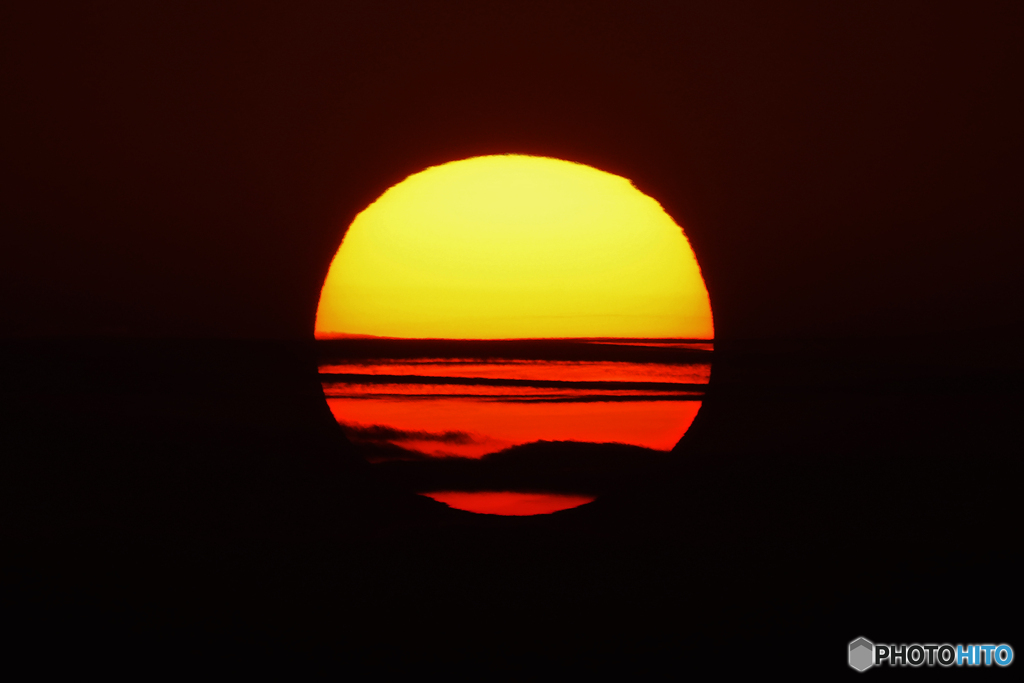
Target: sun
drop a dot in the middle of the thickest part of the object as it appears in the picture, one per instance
(514, 247)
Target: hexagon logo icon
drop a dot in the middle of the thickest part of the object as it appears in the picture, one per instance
(862, 654)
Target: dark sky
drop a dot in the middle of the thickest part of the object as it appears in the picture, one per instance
(188, 170)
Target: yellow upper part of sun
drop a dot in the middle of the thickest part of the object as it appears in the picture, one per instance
(514, 247)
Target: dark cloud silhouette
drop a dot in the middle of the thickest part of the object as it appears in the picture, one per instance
(541, 466)
(385, 433)
(333, 350)
(481, 381)
(519, 398)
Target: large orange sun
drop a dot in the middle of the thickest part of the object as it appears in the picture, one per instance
(514, 247)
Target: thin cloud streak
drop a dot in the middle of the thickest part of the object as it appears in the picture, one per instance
(377, 432)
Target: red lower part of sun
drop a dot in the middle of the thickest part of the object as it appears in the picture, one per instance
(509, 503)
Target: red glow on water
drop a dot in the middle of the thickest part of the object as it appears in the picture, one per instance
(509, 503)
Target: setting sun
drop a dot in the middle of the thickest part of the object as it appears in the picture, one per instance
(514, 247)
(503, 310)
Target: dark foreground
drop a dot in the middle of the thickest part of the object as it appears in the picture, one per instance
(165, 508)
